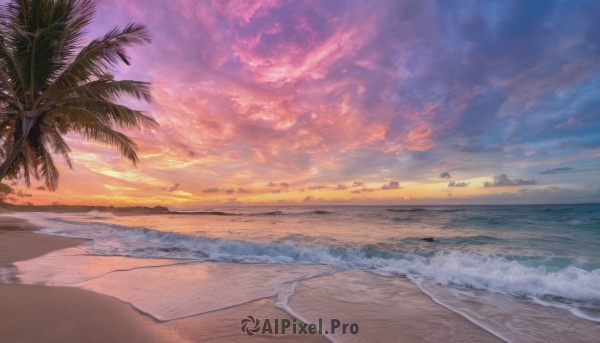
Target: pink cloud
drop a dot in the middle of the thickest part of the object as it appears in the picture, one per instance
(324, 93)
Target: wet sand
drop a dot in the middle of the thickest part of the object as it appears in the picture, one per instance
(387, 309)
(33, 313)
(18, 242)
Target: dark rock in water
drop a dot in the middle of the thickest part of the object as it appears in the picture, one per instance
(428, 239)
(160, 209)
(173, 249)
(202, 253)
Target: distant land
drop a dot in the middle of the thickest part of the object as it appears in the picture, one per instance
(82, 208)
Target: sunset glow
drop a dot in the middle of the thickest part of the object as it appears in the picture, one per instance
(268, 101)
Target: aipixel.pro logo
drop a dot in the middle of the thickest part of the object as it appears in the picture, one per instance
(252, 325)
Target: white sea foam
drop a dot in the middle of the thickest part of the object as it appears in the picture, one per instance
(492, 273)
(499, 275)
(512, 319)
(571, 285)
(166, 289)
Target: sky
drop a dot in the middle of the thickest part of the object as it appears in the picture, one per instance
(352, 102)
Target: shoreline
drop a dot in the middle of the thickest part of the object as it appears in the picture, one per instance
(75, 314)
(35, 313)
(20, 242)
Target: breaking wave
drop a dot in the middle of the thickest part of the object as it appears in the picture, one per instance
(561, 281)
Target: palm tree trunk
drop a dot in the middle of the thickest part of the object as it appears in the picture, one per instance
(28, 122)
(11, 158)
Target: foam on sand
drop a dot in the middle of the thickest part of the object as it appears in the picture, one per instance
(573, 284)
(386, 309)
(164, 289)
(514, 319)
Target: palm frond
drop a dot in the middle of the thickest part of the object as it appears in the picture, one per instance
(6, 84)
(104, 134)
(13, 68)
(61, 86)
(60, 147)
(108, 90)
(80, 16)
(48, 170)
(116, 90)
(112, 114)
(99, 56)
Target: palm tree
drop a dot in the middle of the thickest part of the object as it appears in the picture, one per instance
(51, 84)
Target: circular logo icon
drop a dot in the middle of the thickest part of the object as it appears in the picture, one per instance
(249, 322)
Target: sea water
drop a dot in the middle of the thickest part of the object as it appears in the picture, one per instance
(506, 268)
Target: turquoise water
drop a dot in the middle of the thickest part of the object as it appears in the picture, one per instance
(546, 253)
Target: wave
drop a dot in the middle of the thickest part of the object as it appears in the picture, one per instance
(205, 213)
(436, 210)
(571, 284)
(277, 213)
(268, 213)
(407, 219)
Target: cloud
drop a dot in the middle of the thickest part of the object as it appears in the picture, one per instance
(41, 188)
(357, 184)
(362, 190)
(445, 175)
(391, 185)
(229, 191)
(503, 181)
(210, 190)
(277, 191)
(581, 144)
(556, 170)
(316, 188)
(173, 188)
(322, 92)
(21, 194)
(308, 199)
(341, 187)
(284, 184)
(458, 184)
(272, 184)
(241, 190)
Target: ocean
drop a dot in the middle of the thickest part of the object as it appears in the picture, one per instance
(513, 270)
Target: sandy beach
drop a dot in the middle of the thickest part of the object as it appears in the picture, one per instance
(33, 313)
